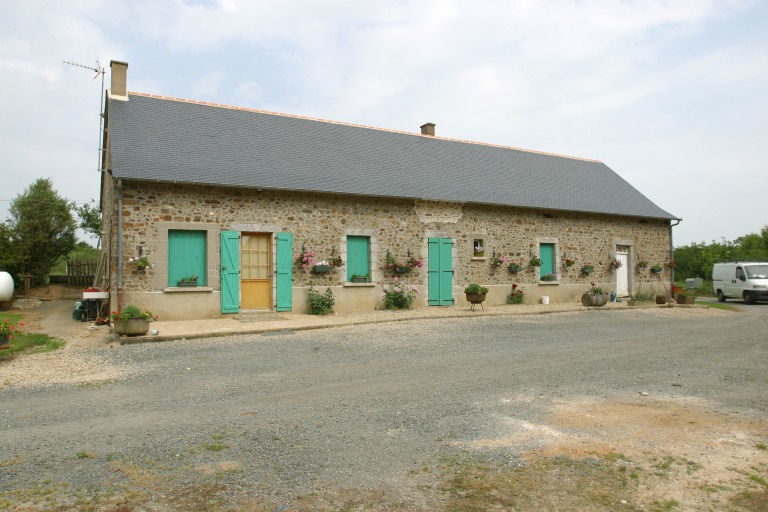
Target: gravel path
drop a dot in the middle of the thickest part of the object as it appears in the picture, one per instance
(361, 407)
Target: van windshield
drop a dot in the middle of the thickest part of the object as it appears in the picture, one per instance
(757, 271)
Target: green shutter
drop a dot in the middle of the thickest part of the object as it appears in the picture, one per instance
(547, 256)
(186, 256)
(284, 279)
(358, 256)
(440, 272)
(230, 272)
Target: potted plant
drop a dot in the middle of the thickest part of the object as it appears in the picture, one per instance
(321, 267)
(594, 297)
(587, 268)
(305, 258)
(549, 276)
(359, 278)
(131, 321)
(656, 269)
(336, 262)
(614, 264)
(188, 281)
(569, 262)
(141, 263)
(475, 294)
(517, 296)
(402, 268)
(399, 296)
(514, 267)
(535, 262)
(6, 333)
(498, 261)
(642, 265)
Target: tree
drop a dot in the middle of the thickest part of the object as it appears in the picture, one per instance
(42, 228)
(90, 220)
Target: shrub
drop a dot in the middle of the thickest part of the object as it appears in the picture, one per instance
(475, 288)
(399, 296)
(517, 296)
(320, 303)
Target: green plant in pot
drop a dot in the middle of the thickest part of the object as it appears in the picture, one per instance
(131, 321)
(359, 278)
(189, 280)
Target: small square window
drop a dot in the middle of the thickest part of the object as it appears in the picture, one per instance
(478, 248)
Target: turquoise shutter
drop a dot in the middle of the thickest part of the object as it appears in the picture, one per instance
(186, 256)
(440, 272)
(547, 256)
(358, 256)
(230, 272)
(284, 280)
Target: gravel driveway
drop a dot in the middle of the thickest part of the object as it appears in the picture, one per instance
(281, 416)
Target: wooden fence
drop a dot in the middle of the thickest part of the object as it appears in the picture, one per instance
(81, 272)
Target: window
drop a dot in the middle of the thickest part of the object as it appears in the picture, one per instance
(186, 255)
(547, 257)
(478, 248)
(358, 256)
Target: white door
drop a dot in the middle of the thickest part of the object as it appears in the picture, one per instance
(622, 275)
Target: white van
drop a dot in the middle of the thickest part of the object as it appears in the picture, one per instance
(746, 280)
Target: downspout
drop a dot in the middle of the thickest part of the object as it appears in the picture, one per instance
(672, 248)
(120, 245)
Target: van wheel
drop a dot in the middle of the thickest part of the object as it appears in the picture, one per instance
(748, 298)
(720, 296)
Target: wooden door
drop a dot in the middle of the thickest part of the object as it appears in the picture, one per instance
(256, 271)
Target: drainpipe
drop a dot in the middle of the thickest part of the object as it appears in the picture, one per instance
(119, 245)
(672, 248)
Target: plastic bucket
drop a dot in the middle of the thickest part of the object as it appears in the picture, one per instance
(545, 299)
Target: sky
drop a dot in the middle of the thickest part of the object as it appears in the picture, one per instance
(670, 94)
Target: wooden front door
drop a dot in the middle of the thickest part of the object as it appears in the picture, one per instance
(256, 271)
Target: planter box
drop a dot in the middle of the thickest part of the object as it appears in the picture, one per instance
(133, 327)
(321, 269)
(587, 271)
(402, 270)
(514, 270)
(359, 279)
(187, 284)
(589, 299)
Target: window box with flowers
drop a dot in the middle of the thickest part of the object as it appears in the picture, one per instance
(515, 267)
(587, 268)
(321, 267)
(549, 277)
(402, 268)
(188, 281)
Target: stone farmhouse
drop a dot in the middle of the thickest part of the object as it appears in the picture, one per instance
(236, 197)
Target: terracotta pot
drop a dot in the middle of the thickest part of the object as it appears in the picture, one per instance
(475, 298)
(133, 327)
(661, 299)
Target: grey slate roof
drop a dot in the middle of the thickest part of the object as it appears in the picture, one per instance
(167, 140)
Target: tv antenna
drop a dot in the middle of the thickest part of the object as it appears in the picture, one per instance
(99, 71)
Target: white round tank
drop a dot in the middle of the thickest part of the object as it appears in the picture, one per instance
(6, 286)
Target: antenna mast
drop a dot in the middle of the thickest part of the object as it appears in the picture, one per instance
(99, 71)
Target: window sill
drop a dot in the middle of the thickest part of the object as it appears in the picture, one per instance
(546, 283)
(359, 285)
(479, 258)
(187, 289)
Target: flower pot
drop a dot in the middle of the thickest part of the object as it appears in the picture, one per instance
(5, 342)
(187, 284)
(475, 298)
(359, 279)
(587, 270)
(321, 269)
(402, 270)
(132, 327)
(589, 299)
(515, 269)
(656, 271)
(661, 299)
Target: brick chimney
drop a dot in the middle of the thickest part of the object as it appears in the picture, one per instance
(119, 79)
(426, 129)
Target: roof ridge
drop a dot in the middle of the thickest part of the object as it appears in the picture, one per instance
(354, 125)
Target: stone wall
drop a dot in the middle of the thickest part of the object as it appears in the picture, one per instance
(321, 222)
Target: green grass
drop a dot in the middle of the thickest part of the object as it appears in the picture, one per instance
(28, 343)
(716, 305)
